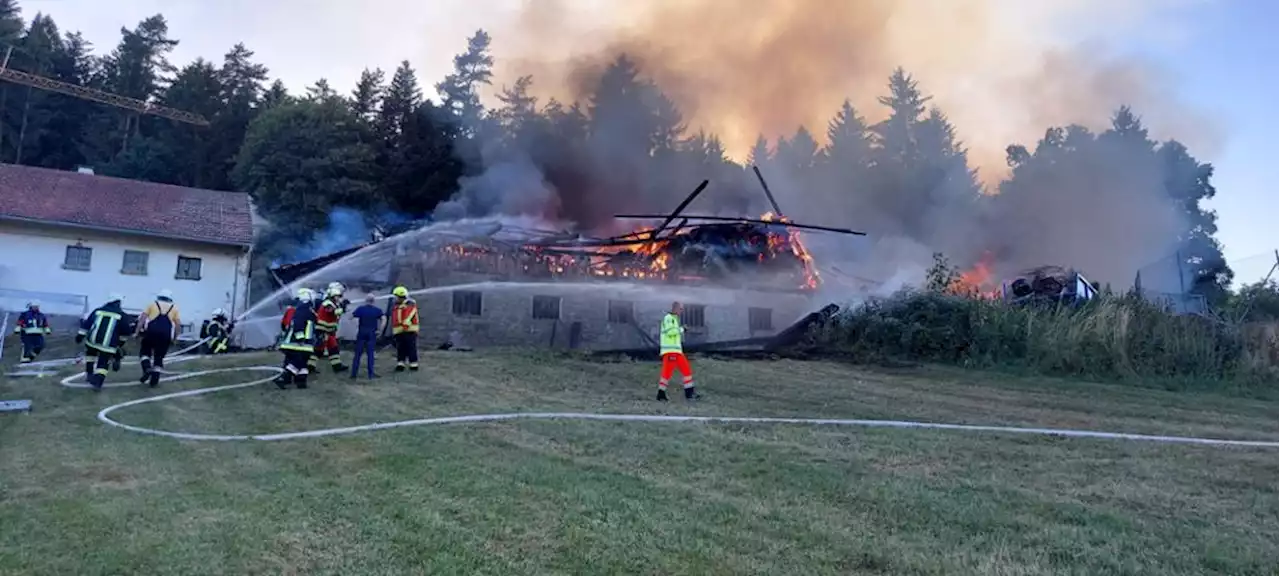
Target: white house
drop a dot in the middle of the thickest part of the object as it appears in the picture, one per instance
(69, 239)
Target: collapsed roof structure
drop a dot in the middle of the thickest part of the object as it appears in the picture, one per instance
(766, 252)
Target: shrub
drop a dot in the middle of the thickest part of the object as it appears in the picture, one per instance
(1110, 338)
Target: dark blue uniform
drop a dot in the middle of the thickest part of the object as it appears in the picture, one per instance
(32, 328)
(366, 336)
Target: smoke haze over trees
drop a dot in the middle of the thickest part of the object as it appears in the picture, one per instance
(886, 157)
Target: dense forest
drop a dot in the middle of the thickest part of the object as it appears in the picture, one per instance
(387, 149)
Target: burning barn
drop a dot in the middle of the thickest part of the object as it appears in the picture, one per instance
(494, 283)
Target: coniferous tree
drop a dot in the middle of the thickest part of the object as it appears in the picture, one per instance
(367, 96)
(275, 95)
(460, 90)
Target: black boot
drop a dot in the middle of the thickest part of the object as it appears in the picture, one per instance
(115, 364)
(97, 380)
(145, 363)
(283, 380)
(399, 367)
(340, 368)
(154, 379)
(691, 393)
(662, 395)
(300, 381)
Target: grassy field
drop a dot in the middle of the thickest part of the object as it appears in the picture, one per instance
(547, 497)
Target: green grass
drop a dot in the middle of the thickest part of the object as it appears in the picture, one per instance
(546, 497)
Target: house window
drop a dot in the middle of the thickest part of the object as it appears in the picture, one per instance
(621, 312)
(188, 268)
(135, 263)
(760, 318)
(694, 316)
(466, 303)
(77, 258)
(546, 307)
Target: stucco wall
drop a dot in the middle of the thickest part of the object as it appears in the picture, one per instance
(32, 263)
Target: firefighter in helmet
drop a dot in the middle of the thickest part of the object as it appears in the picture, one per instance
(219, 332)
(32, 327)
(297, 342)
(328, 314)
(404, 329)
(103, 333)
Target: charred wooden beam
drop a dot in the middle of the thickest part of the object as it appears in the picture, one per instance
(676, 213)
(748, 221)
(767, 193)
(792, 334)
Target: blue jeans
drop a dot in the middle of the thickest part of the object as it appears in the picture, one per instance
(364, 346)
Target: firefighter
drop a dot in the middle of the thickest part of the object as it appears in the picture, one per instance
(673, 357)
(297, 341)
(404, 329)
(219, 332)
(158, 326)
(103, 333)
(328, 313)
(32, 327)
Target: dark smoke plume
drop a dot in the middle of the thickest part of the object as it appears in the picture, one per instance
(1002, 72)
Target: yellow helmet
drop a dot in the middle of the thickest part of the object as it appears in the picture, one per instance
(306, 295)
(400, 292)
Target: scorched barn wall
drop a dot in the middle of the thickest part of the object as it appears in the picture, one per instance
(598, 318)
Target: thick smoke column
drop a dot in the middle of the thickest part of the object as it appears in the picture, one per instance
(1002, 70)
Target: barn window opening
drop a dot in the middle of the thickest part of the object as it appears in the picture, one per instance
(621, 312)
(135, 263)
(188, 268)
(546, 307)
(467, 303)
(78, 258)
(760, 318)
(694, 316)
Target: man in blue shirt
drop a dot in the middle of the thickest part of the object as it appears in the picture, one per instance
(371, 319)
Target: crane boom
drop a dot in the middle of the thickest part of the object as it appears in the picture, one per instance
(100, 96)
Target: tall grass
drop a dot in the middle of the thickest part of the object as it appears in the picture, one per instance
(1111, 338)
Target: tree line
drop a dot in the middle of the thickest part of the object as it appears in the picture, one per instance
(385, 147)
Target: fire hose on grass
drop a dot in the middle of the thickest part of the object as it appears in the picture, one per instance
(104, 416)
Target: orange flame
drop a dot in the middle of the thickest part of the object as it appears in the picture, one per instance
(811, 277)
(978, 281)
(649, 259)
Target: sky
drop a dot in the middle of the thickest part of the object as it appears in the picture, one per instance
(1218, 56)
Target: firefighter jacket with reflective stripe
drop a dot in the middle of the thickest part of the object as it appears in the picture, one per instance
(329, 312)
(404, 317)
(32, 322)
(105, 329)
(299, 336)
(671, 334)
(219, 328)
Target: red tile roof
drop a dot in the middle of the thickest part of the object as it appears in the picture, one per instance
(58, 196)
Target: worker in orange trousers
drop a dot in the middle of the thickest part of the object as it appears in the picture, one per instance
(671, 337)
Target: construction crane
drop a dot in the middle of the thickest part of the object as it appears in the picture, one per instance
(94, 95)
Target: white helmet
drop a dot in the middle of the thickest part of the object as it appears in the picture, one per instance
(115, 297)
(219, 312)
(33, 304)
(165, 294)
(335, 289)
